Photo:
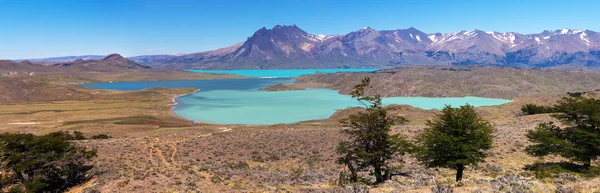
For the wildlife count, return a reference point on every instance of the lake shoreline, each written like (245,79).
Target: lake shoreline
(248,102)
(174,103)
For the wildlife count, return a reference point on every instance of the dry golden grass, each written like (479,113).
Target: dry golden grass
(115,112)
(153,151)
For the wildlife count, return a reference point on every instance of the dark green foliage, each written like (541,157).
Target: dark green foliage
(456,138)
(532,109)
(579,137)
(68,136)
(78,135)
(48,163)
(370,145)
(576,94)
(101,136)
(551,170)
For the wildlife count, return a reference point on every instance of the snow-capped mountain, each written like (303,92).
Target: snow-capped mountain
(287,47)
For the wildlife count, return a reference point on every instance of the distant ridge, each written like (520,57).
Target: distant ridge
(289,47)
(109,62)
(64,58)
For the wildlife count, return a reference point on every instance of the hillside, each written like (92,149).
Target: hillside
(289,47)
(26,81)
(108,63)
(494,82)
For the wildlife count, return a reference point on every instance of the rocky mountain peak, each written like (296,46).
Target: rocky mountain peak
(288,46)
(113,57)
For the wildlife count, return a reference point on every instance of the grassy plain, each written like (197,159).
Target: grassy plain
(155,151)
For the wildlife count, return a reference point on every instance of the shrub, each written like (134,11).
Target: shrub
(577,138)
(78,135)
(68,136)
(101,136)
(48,163)
(370,146)
(456,138)
(442,188)
(511,184)
(532,109)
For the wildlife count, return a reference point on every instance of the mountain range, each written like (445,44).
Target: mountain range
(289,47)
(110,63)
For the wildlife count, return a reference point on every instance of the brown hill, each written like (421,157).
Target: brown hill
(492,82)
(108,63)
(7,66)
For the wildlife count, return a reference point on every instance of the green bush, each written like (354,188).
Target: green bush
(48,163)
(532,109)
(78,135)
(455,138)
(576,138)
(101,136)
(68,136)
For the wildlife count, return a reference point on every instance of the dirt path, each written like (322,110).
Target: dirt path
(173,153)
(160,155)
(150,156)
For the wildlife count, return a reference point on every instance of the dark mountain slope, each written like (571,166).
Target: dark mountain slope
(289,47)
(108,63)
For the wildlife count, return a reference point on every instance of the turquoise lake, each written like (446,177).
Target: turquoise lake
(239,101)
(283,73)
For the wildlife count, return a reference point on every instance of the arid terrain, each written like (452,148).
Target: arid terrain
(153,150)
(453,81)
(301,158)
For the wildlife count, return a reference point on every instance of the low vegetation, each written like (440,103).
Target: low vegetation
(370,144)
(578,136)
(152,151)
(533,109)
(456,138)
(48,163)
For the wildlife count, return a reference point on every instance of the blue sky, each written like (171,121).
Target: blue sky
(34,29)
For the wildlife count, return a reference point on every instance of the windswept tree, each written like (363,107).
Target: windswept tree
(456,138)
(370,146)
(578,138)
(48,163)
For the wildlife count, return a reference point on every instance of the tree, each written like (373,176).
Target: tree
(48,163)
(578,138)
(533,109)
(456,138)
(369,144)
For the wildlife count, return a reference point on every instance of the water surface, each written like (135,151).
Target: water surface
(238,101)
(284,73)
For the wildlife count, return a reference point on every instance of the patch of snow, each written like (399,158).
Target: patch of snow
(321,37)
(177,54)
(433,38)
(546,37)
(411,36)
(583,37)
(240,52)
(471,34)
(418,38)
(569,31)
(489,32)
(511,37)
(537,39)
